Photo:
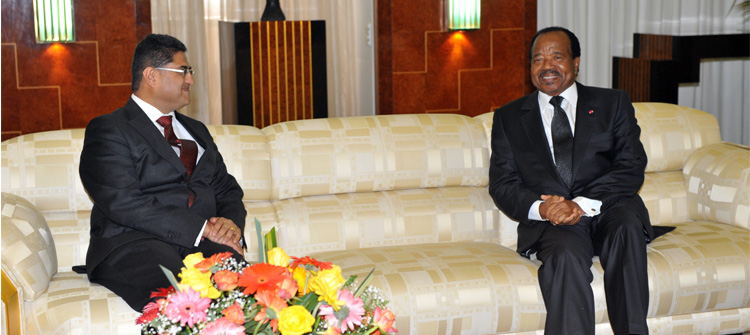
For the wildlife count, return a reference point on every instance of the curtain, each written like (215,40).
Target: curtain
(349,49)
(605,29)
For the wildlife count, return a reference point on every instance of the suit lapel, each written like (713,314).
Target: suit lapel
(534,128)
(585,119)
(141,123)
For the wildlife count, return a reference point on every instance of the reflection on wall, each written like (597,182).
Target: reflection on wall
(56,86)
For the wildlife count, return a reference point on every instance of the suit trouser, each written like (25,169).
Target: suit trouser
(132,271)
(566,252)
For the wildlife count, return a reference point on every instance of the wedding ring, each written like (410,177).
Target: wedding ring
(231,228)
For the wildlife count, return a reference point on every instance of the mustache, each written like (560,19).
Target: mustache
(550,71)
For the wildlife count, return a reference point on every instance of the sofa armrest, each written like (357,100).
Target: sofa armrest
(717,177)
(29,258)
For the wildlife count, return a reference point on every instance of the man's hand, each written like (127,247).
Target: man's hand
(223,231)
(560,211)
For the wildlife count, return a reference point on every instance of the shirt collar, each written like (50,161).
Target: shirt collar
(152,112)
(570,95)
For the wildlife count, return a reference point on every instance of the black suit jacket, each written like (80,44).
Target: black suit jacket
(608,157)
(140,187)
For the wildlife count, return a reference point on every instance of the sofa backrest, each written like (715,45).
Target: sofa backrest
(376,153)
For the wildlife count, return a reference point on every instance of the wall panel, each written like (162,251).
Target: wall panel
(57,86)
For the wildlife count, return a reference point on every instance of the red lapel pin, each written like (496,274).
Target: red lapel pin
(591,111)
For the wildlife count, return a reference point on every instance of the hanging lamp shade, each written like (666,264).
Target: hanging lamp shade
(54,21)
(463,14)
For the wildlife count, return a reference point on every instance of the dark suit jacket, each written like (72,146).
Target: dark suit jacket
(139,186)
(608,157)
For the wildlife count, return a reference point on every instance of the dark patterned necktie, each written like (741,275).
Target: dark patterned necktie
(188,149)
(562,141)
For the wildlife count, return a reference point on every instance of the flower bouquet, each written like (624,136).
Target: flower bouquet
(283,295)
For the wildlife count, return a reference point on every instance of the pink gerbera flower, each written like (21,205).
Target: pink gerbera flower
(223,326)
(348,316)
(187,307)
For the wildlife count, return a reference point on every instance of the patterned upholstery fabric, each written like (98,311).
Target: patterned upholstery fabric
(43,168)
(718,184)
(451,288)
(245,153)
(665,197)
(387,218)
(72,305)
(376,153)
(670,133)
(29,257)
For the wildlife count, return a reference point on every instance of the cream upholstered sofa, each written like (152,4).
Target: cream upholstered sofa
(405,194)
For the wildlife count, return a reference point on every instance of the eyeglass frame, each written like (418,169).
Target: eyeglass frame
(184,71)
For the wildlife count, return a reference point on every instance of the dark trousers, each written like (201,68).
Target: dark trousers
(566,252)
(132,271)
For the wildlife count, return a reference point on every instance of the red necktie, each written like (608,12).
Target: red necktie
(188,149)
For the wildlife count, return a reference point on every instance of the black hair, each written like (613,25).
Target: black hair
(154,50)
(575,46)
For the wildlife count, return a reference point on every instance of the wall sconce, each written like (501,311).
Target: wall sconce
(463,14)
(53,20)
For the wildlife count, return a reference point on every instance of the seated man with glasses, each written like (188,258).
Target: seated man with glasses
(160,188)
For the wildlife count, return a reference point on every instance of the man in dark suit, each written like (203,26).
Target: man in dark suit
(567,163)
(160,188)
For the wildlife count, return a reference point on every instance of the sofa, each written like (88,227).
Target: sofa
(407,196)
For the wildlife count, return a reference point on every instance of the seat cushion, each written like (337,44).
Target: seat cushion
(701,266)
(451,288)
(73,305)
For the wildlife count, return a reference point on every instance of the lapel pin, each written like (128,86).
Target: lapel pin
(591,111)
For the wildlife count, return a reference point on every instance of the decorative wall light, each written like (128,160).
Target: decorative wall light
(463,14)
(53,20)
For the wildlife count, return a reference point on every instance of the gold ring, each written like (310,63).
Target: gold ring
(231,228)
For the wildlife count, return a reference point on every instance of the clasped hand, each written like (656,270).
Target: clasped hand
(560,211)
(223,231)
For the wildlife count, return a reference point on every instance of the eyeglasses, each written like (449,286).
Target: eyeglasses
(184,71)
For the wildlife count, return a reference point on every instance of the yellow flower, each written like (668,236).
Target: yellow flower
(199,282)
(295,320)
(300,275)
(278,257)
(326,284)
(192,259)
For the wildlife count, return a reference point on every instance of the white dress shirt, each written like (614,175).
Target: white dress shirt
(592,207)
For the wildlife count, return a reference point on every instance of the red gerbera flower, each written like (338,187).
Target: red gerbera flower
(150,312)
(162,292)
(206,264)
(261,276)
(312,261)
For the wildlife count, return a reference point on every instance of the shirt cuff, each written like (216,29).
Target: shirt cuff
(590,206)
(200,235)
(534,211)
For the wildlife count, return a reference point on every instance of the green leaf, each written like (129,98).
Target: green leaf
(261,249)
(308,301)
(271,239)
(364,284)
(171,278)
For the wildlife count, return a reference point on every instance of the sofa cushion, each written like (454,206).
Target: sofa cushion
(43,168)
(386,218)
(29,257)
(73,305)
(670,133)
(451,288)
(245,154)
(718,184)
(376,153)
(700,266)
